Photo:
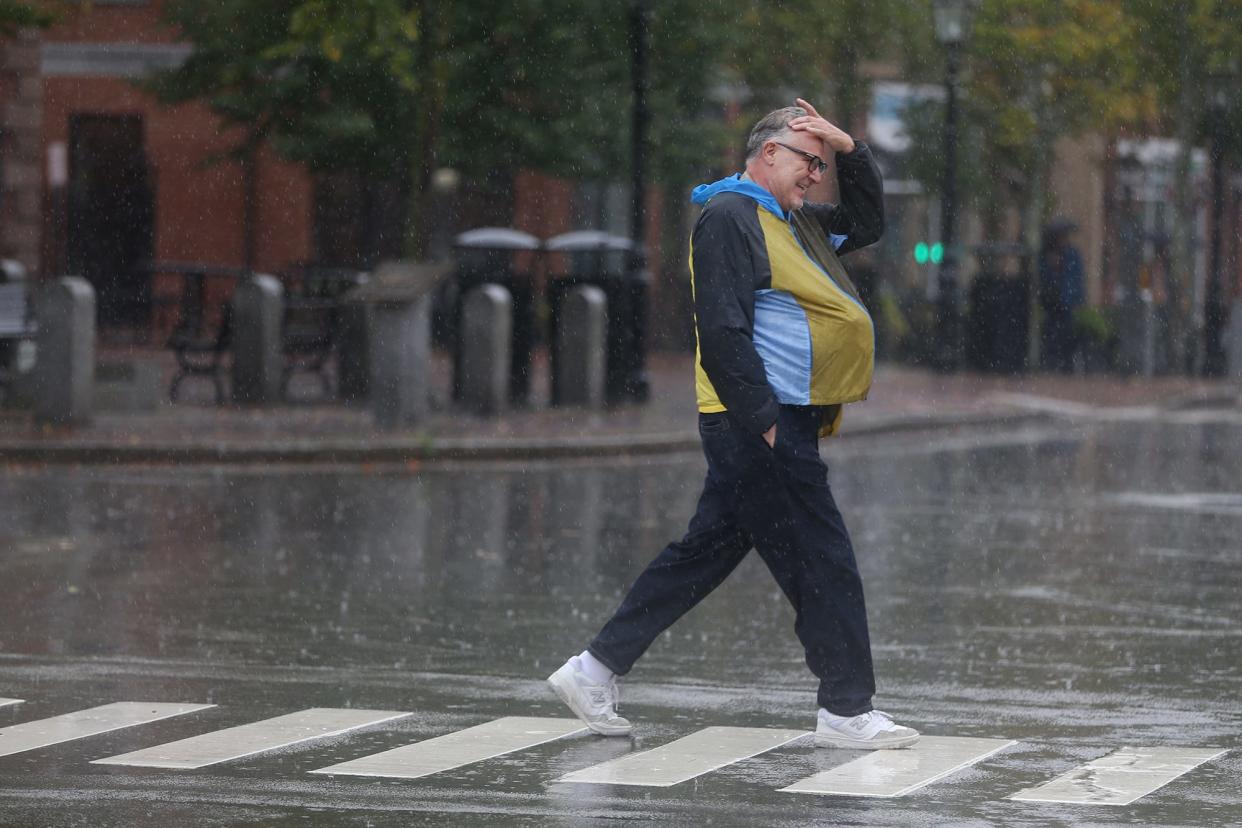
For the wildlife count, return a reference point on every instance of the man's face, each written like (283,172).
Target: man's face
(791,173)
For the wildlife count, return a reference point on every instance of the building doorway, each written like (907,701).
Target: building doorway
(111,216)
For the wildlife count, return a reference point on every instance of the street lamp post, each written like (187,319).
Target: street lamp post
(636,383)
(952,17)
(1214,306)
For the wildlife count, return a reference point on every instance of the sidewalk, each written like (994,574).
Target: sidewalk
(902,398)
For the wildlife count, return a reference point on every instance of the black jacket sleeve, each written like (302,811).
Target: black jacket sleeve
(728,261)
(860,215)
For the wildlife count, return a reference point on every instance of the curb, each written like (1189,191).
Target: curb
(408,451)
(1205,398)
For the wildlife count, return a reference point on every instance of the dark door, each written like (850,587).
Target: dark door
(111,214)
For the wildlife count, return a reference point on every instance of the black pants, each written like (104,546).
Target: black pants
(778,501)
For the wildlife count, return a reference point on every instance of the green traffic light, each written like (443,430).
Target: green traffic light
(937,253)
(921,253)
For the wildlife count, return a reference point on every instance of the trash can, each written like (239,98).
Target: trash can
(999,304)
(593,257)
(487,256)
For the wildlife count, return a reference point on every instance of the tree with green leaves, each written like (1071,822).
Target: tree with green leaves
(16,14)
(1034,72)
(333,85)
(393,88)
(821,49)
(1183,45)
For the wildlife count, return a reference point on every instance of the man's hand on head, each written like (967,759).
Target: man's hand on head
(835,139)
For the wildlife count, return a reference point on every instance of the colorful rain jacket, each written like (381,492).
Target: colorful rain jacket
(777,319)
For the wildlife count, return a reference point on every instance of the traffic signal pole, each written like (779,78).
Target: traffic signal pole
(948,296)
(636,383)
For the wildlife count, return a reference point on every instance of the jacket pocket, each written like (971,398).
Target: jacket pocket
(716,423)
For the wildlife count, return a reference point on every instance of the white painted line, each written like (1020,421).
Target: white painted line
(892,773)
(474,744)
(7,702)
(707,750)
(1121,777)
(83,723)
(1209,503)
(1053,405)
(257,737)
(1069,408)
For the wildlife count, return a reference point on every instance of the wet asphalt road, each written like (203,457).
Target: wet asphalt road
(1075,587)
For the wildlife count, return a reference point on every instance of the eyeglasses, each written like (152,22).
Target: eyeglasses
(813,162)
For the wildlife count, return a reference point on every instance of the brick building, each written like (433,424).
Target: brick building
(124,180)
(97,178)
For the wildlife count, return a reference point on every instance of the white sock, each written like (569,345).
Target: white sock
(594,668)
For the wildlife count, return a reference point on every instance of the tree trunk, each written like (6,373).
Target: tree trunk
(1033,215)
(1180,274)
(1179,278)
(423,146)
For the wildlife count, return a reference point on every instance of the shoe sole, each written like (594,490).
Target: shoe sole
(859,744)
(602,730)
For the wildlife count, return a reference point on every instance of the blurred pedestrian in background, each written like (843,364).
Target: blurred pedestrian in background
(1061,292)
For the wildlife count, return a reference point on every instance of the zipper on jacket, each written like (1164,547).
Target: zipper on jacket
(794,230)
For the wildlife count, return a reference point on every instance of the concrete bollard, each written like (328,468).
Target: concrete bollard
(486,342)
(64,375)
(353,367)
(1149,337)
(581,362)
(400,361)
(258,312)
(1233,341)
(1137,356)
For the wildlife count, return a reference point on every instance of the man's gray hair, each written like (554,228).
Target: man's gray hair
(770,126)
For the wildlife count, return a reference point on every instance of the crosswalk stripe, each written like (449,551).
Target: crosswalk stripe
(7,702)
(256,737)
(694,755)
(474,744)
(892,773)
(90,722)
(1121,777)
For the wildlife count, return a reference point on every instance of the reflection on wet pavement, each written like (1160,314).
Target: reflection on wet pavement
(1074,589)
(1120,777)
(899,772)
(688,757)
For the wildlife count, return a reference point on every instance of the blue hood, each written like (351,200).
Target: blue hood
(736,184)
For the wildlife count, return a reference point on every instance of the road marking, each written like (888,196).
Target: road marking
(1069,408)
(474,744)
(892,773)
(256,737)
(91,722)
(694,755)
(7,702)
(1121,777)
(1210,503)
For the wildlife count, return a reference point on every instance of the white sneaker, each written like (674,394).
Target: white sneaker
(595,704)
(868,731)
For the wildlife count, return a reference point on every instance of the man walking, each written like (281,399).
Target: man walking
(783,343)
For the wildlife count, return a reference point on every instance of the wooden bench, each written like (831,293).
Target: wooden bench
(201,336)
(311,322)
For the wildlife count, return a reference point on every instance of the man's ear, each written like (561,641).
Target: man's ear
(769,152)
